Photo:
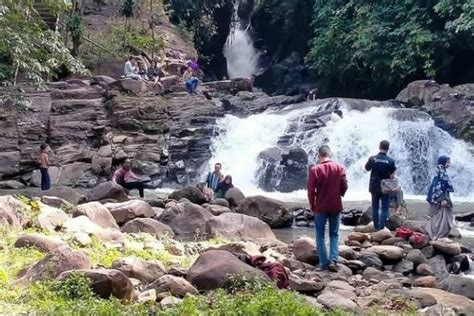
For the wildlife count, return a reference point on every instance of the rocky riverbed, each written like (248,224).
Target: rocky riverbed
(177,249)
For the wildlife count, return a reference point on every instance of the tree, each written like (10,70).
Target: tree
(373,48)
(75,27)
(28,47)
(128,10)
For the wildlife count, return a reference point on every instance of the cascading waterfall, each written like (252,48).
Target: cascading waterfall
(242,57)
(415,144)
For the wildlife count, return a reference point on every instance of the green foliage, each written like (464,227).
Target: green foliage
(27,46)
(196,18)
(75,287)
(264,301)
(380,44)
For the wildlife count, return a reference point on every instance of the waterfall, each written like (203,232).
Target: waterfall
(415,145)
(241,56)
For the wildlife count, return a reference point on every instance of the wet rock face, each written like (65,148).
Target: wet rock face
(283,169)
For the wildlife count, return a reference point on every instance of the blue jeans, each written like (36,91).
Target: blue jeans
(380,219)
(45,180)
(192,84)
(320,220)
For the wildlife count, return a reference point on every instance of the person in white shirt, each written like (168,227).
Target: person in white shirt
(129,70)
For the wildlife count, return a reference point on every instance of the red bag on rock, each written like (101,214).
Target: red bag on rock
(419,240)
(403,232)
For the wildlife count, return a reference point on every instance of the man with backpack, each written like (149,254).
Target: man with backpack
(382,167)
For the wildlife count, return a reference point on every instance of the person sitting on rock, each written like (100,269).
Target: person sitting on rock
(223,187)
(190,80)
(130,69)
(154,73)
(215,177)
(127,179)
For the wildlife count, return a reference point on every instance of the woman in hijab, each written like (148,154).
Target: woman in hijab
(441,207)
(223,187)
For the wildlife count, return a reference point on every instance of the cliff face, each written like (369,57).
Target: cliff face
(92,126)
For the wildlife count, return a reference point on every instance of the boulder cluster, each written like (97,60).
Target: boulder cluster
(375,267)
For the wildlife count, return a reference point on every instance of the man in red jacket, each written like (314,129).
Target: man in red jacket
(327,184)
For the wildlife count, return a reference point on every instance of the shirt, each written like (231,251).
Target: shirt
(122,175)
(327,184)
(381,167)
(128,69)
(213,180)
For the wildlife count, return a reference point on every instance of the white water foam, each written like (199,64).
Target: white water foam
(242,57)
(416,144)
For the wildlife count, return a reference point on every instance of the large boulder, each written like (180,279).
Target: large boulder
(387,252)
(105,282)
(11,185)
(187,220)
(234,196)
(457,284)
(332,300)
(107,190)
(416,256)
(217,268)
(218,209)
(438,265)
(41,242)
(51,218)
(283,169)
(176,286)
(304,249)
(81,224)
(66,193)
(59,260)
(148,225)
(97,213)
(234,226)
(461,304)
(126,211)
(447,247)
(275,213)
(145,271)
(8,216)
(191,193)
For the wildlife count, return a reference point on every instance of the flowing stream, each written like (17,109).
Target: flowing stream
(415,145)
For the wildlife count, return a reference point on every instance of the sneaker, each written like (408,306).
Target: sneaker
(333,267)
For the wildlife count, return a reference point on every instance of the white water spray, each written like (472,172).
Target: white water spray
(415,144)
(242,57)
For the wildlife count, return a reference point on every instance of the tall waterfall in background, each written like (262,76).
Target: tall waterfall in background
(242,57)
(415,144)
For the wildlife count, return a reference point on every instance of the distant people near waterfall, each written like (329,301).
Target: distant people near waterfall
(43,161)
(312,94)
(130,69)
(382,167)
(441,206)
(128,179)
(223,187)
(154,73)
(327,184)
(213,178)
(190,80)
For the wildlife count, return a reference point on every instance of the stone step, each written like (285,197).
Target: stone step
(77,94)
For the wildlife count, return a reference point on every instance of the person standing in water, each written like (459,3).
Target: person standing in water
(441,207)
(382,167)
(215,177)
(327,184)
(43,161)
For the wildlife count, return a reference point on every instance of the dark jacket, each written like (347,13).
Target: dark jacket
(381,167)
(327,184)
(222,189)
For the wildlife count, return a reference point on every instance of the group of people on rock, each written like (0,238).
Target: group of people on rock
(134,69)
(216,185)
(327,184)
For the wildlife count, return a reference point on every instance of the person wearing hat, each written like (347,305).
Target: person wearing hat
(441,207)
